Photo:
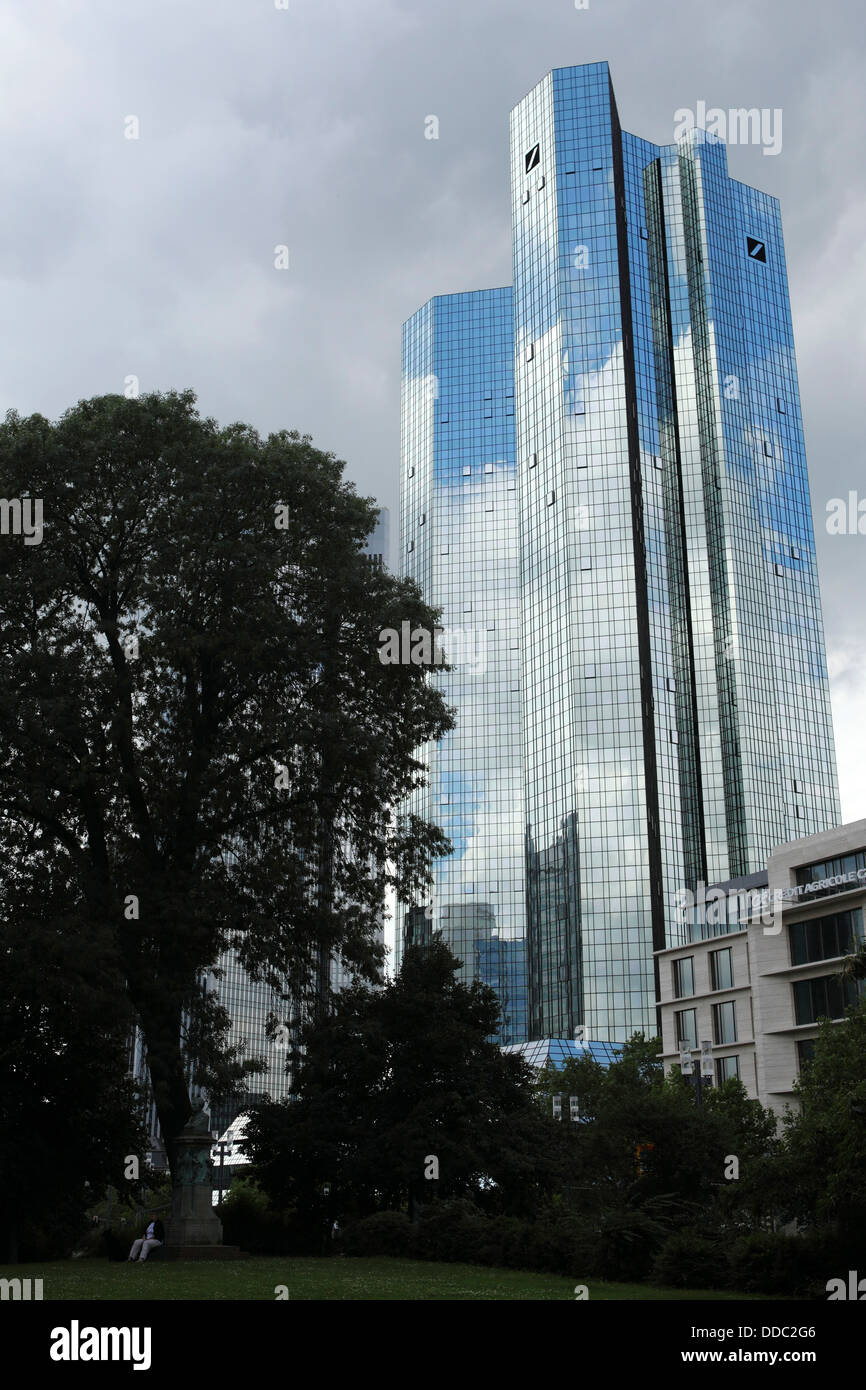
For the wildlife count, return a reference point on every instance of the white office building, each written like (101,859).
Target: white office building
(763,964)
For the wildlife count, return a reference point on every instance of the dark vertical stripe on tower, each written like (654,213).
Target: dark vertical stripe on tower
(688,752)
(647,715)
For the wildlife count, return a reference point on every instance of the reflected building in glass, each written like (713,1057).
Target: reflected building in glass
(672,675)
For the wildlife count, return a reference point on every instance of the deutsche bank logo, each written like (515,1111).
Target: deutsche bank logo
(532,159)
(756,249)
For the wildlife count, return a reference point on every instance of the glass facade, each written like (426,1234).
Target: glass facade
(459,528)
(657,554)
(676,707)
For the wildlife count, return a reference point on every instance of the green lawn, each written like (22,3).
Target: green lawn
(325,1279)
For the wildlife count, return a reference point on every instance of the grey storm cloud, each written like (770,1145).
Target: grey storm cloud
(261,126)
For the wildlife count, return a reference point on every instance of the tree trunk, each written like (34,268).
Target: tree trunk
(161,1030)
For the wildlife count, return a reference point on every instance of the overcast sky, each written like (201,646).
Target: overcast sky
(257,127)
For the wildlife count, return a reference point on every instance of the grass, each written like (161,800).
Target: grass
(323,1280)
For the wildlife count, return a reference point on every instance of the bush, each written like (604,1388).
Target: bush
(383,1233)
(625,1242)
(249,1220)
(691,1259)
(769,1262)
(453,1231)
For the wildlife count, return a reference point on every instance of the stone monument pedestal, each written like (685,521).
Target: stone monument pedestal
(194,1225)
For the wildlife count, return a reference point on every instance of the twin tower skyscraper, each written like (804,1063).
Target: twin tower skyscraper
(604,489)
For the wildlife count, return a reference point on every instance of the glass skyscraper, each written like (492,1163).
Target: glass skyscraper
(460,541)
(673,690)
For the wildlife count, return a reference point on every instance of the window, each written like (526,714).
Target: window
(805,1052)
(832,868)
(686,1027)
(725,1022)
(826,997)
(684,976)
(530,352)
(726,1067)
(824,938)
(467,469)
(722,968)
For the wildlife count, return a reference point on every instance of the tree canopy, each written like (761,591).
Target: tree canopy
(396,1077)
(200,743)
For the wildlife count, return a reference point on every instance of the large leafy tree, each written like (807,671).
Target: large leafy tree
(642,1142)
(823,1173)
(67,1120)
(395,1078)
(199,740)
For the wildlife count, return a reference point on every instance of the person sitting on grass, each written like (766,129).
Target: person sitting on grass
(154,1235)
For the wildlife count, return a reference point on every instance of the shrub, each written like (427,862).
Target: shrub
(383,1233)
(453,1231)
(770,1262)
(249,1220)
(692,1259)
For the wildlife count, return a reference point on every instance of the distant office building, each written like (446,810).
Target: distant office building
(377,546)
(672,683)
(762,964)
